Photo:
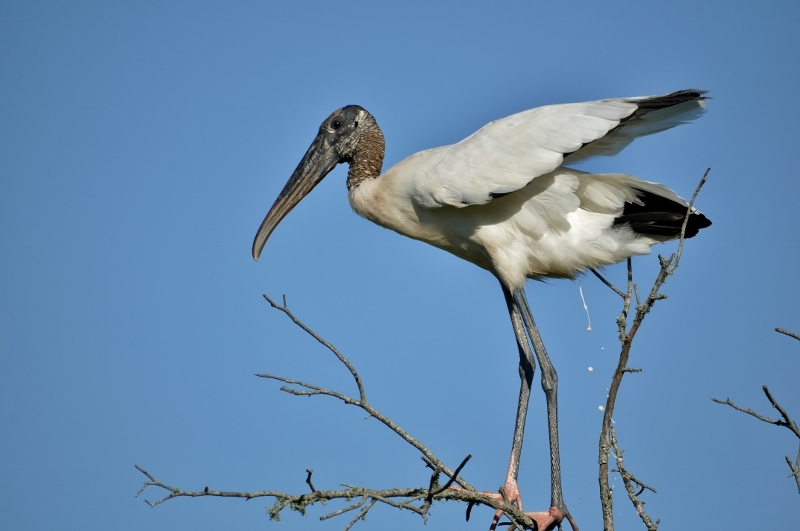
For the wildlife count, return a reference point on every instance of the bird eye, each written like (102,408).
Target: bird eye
(336,124)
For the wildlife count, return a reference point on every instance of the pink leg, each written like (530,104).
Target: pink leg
(545,520)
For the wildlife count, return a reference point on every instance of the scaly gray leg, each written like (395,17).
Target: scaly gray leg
(527,367)
(550,387)
(517,306)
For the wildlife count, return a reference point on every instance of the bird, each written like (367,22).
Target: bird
(506,199)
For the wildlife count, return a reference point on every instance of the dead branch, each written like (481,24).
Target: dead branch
(788,333)
(401,498)
(415,499)
(307,330)
(626,336)
(607,283)
(784,421)
(795,469)
(628,480)
(311,390)
(308,480)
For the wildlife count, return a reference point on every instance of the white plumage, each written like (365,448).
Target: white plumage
(501,200)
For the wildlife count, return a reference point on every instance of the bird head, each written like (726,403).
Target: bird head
(338,140)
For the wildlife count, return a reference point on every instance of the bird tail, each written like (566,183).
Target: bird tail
(661,218)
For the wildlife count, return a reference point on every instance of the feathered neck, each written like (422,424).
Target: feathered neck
(367,159)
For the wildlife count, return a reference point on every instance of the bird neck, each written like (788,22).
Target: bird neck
(367,158)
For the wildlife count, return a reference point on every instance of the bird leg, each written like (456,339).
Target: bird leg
(550,387)
(527,366)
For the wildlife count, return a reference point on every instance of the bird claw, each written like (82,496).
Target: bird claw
(509,493)
(545,520)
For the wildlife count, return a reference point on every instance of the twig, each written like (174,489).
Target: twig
(788,333)
(631,285)
(795,469)
(622,320)
(361,402)
(628,480)
(316,390)
(749,411)
(626,335)
(433,491)
(786,422)
(432,487)
(453,477)
(607,283)
(344,509)
(327,345)
(308,479)
(686,219)
(361,515)
(455,474)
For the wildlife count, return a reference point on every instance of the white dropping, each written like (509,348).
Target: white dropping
(601,408)
(590,369)
(580,290)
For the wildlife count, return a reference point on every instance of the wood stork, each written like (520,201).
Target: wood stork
(503,200)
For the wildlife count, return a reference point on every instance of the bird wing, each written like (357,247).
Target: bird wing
(507,154)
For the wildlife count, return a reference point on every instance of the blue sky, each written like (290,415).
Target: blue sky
(141,144)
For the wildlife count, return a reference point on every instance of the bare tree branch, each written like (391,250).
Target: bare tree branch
(361,514)
(308,480)
(785,421)
(626,336)
(749,411)
(455,489)
(607,283)
(788,333)
(344,509)
(455,474)
(788,422)
(795,469)
(628,480)
(327,345)
(686,219)
(361,402)
(402,498)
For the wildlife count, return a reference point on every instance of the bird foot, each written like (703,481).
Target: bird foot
(545,520)
(509,493)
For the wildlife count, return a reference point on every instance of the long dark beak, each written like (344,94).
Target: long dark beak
(318,161)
